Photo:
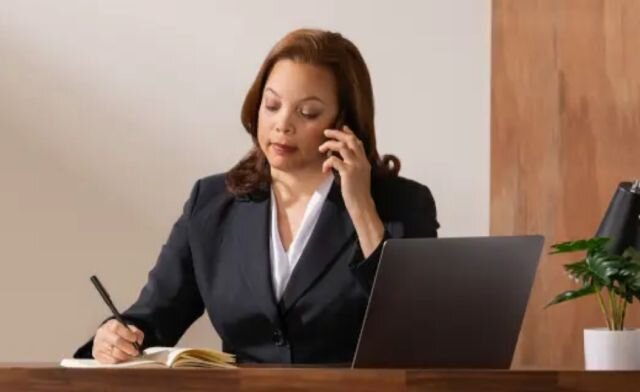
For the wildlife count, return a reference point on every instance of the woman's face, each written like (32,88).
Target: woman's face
(299,102)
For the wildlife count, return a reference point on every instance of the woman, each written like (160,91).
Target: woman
(281,251)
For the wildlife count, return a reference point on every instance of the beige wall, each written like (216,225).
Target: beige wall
(110,110)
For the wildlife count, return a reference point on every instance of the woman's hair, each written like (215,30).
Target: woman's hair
(355,100)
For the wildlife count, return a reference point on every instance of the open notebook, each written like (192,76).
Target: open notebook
(164,357)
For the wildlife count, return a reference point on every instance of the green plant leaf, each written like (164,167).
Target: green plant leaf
(602,267)
(632,283)
(628,275)
(618,274)
(632,255)
(627,270)
(572,294)
(573,246)
(579,271)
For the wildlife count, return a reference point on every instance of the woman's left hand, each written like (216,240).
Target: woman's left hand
(355,183)
(354,167)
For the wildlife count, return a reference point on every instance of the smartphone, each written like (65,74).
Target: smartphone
(339,121)
(338,124)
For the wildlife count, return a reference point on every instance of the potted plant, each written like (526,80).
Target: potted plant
(614,280)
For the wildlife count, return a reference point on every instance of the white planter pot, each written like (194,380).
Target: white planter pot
(611,350)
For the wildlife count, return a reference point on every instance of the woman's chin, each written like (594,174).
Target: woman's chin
(291,165)
(284,164)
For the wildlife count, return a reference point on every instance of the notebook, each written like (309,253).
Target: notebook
(163,357)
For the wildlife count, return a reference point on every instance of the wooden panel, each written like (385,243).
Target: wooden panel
(565,131)
(39,378)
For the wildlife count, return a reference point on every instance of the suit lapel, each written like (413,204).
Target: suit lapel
(332,231)
(251,232)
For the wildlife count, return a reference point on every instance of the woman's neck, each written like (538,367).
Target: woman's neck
(292,187)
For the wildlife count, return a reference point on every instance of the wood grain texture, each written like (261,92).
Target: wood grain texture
(565,131)
(52,378)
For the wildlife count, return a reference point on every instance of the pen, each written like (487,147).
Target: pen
(107,300)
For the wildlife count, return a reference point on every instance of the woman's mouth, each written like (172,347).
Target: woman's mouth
(283,149)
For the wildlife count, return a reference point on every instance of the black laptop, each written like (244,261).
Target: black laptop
(448,303)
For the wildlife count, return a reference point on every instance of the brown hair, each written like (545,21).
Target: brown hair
(355,99)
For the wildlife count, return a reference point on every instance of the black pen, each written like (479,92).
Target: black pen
(107,300)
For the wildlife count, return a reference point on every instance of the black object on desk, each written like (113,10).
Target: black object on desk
(621,222)
(107,300)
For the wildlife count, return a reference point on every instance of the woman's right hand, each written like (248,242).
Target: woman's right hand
(113,342)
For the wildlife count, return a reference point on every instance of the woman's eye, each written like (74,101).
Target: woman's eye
(271,108)
(309,115)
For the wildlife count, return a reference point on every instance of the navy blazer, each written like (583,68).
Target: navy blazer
(217,259)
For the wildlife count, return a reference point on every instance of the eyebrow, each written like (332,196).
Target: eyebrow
(312,97)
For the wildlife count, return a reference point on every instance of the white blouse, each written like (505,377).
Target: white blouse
(283,263)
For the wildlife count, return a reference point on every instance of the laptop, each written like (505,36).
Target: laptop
(448,302)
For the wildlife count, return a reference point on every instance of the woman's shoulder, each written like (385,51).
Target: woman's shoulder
(213,184)
(209,191)
(393,195)
(406,200)
(396,186)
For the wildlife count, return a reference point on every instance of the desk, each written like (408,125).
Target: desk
(49,377)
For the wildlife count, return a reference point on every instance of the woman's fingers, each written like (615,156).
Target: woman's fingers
(139,334)
(121,343)
(101,355)
(130,333)
(335,163)
(114,342)
(120,355)
(348,137)
(123,331)
(341,147)
(350,148)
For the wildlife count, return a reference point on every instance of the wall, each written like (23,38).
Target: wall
(565,131)
(110,110)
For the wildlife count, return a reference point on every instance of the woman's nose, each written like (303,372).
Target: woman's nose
(284,123)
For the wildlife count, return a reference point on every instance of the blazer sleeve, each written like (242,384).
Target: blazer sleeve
(419,221)
(170,301)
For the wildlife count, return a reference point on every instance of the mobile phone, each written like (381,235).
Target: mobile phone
(339,121)
(338,124)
